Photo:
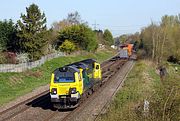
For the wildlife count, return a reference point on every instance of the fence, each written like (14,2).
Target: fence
(29,65)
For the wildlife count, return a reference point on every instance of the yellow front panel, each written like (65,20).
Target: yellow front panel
(63,88)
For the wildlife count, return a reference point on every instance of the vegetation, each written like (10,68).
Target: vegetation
(31,32)
(72,19)
(31,36)
(67,46)
(7,36)
(160,41)
(123,38)
(13,85)
(108,37)
(83,37)
(144,84)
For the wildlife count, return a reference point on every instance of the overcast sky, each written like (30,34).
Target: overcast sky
(119,16)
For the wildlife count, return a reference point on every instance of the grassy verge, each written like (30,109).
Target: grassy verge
(143,83)
(13,85)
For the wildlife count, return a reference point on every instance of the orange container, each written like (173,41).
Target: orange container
(130,46)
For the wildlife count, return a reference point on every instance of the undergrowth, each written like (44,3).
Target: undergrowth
(142,85)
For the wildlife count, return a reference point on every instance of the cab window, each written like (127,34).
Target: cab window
(64,77)
(97,66)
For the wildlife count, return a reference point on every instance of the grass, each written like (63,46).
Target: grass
(143,83)
(13,85)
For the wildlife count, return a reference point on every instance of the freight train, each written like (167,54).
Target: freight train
(126,51)
(72,82)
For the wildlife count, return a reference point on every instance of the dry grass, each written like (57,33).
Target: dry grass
(15,80)
(143,83)
(31,73)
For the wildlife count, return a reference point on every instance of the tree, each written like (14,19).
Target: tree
(117,42)
(8,38)
(83,37)
(57,26)
(161,41)
(67,46)
(32,32)
(108,37)
(74,18)
(123,38)
(99,35)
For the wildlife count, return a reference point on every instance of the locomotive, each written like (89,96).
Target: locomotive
(72,82)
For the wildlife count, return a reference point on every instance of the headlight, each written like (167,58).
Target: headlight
(54,91)
(72,90)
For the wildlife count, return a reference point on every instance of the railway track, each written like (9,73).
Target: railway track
(109,69)
(91,109)
(116,90)
(22,106)
(112,69)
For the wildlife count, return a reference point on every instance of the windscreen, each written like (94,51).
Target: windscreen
(64,77)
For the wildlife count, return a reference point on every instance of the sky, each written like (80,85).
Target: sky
(119,16)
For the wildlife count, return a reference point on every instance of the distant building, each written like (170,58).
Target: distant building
(113,46)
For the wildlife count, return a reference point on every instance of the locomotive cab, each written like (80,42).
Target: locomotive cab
(66,86)
(97,71)
(94,69)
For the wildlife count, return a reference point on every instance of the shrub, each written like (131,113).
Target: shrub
(67,46)
(2,58)
(22,58)
(8,57)
(81,35)
(173,59)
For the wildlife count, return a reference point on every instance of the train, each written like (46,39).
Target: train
(126,51)
(72,82)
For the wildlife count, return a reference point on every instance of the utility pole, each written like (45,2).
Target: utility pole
(95,25)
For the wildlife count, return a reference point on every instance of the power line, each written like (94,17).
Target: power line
(122,26)
(124,29)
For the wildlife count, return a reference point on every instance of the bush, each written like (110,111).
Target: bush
(67,46)
(173,59)
(2,58)
(8,57)
(141,54)
(81,35)
(22,58)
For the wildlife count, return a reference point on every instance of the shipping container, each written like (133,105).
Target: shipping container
(123,53)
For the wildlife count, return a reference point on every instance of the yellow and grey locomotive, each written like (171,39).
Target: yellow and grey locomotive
(69,83)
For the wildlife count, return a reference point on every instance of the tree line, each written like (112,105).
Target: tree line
(30,35)
(160,41)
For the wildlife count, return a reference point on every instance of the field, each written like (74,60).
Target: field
(144,97)
(13,85)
